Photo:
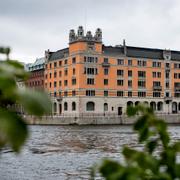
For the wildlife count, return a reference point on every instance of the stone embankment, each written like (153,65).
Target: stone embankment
(94,120)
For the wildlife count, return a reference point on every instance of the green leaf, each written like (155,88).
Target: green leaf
(34,102)
(131,111)
(143,134)
(141,122)
(109,167)
(151,145)
(13,129)
(177,170)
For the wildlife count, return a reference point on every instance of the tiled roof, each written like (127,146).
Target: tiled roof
(37,65)
(59,54)
(137,52)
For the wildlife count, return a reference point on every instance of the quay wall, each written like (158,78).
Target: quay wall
(94,120)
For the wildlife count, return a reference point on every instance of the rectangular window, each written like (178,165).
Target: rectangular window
(167,65)
(142,74)
(154,74)
(141,84)
(141,63)
(175,75)
(159,74)
(156,64)
(55,83)
(175,66)
(156,83)
(74,71)
(141,94)
(50,65)
(177,84)
(106,71)
(65,82)
(55,64)
(90,81)
(65,93)
(167,75)
(60,83)
(167,84)
(120,93)
(50,75)
(120,72)
(153,64)
(50,84)
(120,82)
(156,94)
(60,63)
(105,81)
(55,74)
(105,93)
(73,81)
(90,59)
(129,83)
(65,72)
(73,93)
(60,73)
(90,92)
(120,61)
(65,61)
(106,60)
(129,62)
(73,60)
(85,58)
(90,71)
(129,73)
(129,93)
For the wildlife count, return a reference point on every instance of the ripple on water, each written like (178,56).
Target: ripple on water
(67,152)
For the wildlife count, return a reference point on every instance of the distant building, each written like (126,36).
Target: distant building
(91,78)
(36,79)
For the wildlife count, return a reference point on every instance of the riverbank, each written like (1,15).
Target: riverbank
(95,120)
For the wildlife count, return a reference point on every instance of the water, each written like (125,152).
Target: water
(67,152)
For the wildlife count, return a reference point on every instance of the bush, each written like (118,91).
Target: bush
(13,129)
(149,163)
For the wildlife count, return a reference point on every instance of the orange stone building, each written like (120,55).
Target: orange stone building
(91,78)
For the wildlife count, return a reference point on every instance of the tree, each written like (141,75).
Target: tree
(157,160)
(13,128)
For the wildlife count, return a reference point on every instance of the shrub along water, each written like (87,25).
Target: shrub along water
(13,129)
(157,160)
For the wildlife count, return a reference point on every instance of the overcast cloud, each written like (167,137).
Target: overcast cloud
(32,26)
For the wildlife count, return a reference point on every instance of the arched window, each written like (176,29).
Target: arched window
(129,103)
(65,106)
(174,107)
(137,103)
(90,106)
(55,108)
(160,106)
(153,105)
(105,107)
(73,106)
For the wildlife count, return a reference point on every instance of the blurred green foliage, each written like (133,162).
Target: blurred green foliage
(13,129)
(156,161)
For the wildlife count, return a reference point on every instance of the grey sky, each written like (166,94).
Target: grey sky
(32,26)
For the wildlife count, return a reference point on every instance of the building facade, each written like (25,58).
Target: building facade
(91,78)
(36,78)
